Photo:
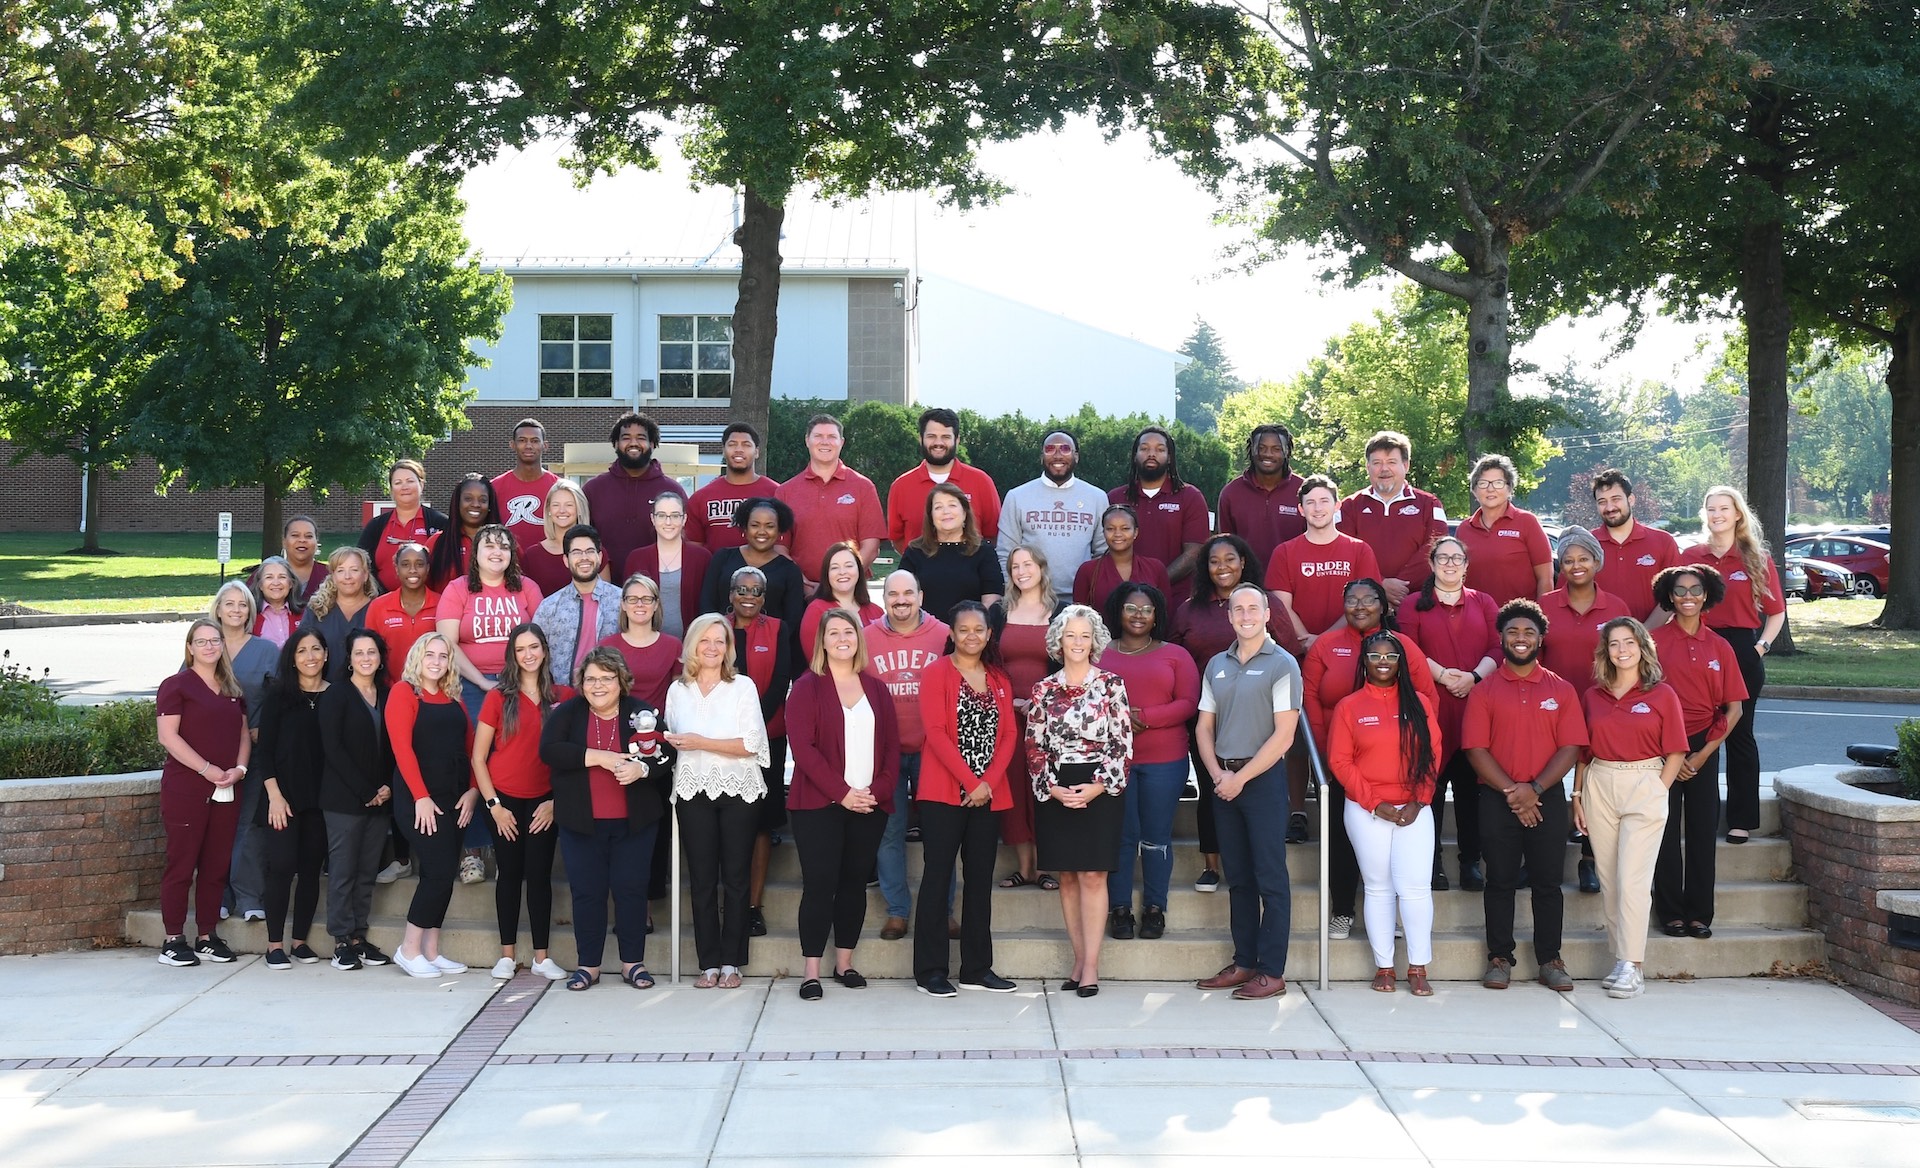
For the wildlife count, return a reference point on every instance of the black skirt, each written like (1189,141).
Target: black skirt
(1078,839)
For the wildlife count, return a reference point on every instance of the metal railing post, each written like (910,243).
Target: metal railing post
(1320,785)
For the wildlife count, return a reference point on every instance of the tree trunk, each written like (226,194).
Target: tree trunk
(1769,324)
(96,478)
(755,312)
(271,505)
(1902,610)
(1489,348)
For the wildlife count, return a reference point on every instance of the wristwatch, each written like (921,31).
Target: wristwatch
(493,802)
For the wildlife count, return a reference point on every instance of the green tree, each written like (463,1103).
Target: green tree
(288,363)
(1443,141)
(845,99)
(1200,386)
(1841,435)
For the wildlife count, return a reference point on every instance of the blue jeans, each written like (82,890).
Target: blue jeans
(1253,850)
(1152,795)
(892,861)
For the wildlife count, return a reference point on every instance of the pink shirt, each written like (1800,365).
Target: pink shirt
(486,619)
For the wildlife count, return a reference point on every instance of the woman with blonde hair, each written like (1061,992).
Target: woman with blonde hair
(202,725)
(1750,618)
(1020,623)
(339,605)
(714,721)
(433,751)
(544,561)
(252,658)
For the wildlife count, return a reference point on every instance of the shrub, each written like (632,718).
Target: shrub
(121,738)
(24,697)
(42,749)
(1910,758)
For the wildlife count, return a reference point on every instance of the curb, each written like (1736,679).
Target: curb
(1840,693)
(61,620)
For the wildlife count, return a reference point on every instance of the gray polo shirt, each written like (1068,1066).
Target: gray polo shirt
(1244,698)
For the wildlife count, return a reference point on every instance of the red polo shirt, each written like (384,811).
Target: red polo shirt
(1399,530)
(1502,556)
(1573,637)
(1316,576)
(1631,565)
(842,506)
(907,501)
(386,616)
(1522,721)
(710,510)
(1641,724)
(1702,669)
(1169,521)
(1738,610)
(1265,519)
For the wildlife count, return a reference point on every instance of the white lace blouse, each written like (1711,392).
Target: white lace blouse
(732,710)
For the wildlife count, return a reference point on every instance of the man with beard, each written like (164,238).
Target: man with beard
(522,491)
(1056,513)
(900,646)
(907,497)
(1262,506)
(831,501)
(621,500)
(1172,514)
(1636,553)
(1522,732)
(1399,522)
(578,618)
(710,510)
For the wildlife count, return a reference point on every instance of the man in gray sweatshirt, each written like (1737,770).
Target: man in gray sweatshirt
(1056,513)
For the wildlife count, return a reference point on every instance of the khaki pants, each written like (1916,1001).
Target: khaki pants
(1626,809)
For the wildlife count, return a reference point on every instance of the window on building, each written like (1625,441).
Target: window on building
(696,357)
(576,355)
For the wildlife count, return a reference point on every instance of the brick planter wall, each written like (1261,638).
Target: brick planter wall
(75,856)
(1849,845)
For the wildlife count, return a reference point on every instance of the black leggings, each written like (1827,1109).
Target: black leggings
(1743,753)
(1203,813)
(1683,876)
(837,850)
(525,859)
(298,850)
(436,861)
(1459,778)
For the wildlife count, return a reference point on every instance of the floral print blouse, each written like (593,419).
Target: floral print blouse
(1079,723)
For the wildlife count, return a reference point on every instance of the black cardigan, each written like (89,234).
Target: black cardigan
(359,760)
(290,750)
(563,747)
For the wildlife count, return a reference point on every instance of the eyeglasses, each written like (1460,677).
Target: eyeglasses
(639,602)
(1057,448)
(205,643)
(1690,590)
(599,680)
(749,590)
(1137,609)
(663,516)
(1451,558)
(583,551)
(1492,485)
(1383,656)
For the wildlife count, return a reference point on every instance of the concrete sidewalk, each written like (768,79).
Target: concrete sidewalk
(109,1059)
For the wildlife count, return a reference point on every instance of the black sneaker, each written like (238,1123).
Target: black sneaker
(178,953)
(1440,882)
(1589,875)
(1297,828)
(1209,881)
(1120,923)
(278,959)
(345,956)
(1473,877)
(370,954)
(212,948)
(989,981)
(756,921)
(1153,923)
(938,987)
(304,954)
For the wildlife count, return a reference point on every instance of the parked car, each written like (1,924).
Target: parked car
(1866,558)
(1793,579)
(1823,578)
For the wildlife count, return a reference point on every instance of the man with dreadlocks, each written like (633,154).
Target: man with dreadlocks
(1262,506)
(1173,514)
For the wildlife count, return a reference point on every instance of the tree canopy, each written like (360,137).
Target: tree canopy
(1200,386)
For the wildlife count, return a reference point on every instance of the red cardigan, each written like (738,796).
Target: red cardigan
(942,770)
(817,737)
(694,559)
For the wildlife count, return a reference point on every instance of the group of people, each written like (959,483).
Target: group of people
(588,670)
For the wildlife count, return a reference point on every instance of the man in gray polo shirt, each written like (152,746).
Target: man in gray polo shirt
(1249,708)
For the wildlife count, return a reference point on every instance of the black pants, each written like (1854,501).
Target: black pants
(1683,876)
(298,850)
(1458,778)
(949,831)
(716,835)
(1209,834)
(525,859)
(1343,867)
(613,859)
(772,806)
(1743,753)
(436,862)
(1504,845)
(837,852)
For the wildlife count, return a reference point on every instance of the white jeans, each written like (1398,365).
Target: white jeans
(1396,867)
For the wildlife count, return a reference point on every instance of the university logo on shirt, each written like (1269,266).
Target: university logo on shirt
(846,500)
(1641,708)
(1410,509)
(1738,576)
(1170,506)
(1370,720)
(1645,561)
(524,509)
(762,649)
(1342,651)
(1550,704)
(1507,533)
(1714,665)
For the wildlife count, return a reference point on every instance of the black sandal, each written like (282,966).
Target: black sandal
(582,979)
(1017,880)
(638,978)
(1049,882)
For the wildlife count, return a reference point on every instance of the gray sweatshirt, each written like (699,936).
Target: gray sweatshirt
(1063,521)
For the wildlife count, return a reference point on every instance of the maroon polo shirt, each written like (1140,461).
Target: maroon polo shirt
(1502,555)
(1522,721)
(1702,669)
(1265,519)
(1632,564)
(1169,521)
(1573,637)
(1638,725)
(1738,611)
(842,506)
(1400,529)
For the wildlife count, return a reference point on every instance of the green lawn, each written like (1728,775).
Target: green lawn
(1835,647)
(155,572)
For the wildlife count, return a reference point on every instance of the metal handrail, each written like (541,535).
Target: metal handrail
(1319,774)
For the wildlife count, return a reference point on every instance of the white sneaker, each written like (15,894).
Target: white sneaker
(473,870)
(504,968)
(547,969)
(1630,984)
(415,966)
(446,964)
(254,914)
(1340,928)
(392,872)
(1612,979)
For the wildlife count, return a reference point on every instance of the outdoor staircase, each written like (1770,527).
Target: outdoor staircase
(1761,924)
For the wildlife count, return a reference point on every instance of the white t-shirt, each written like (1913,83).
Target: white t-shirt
(859,744)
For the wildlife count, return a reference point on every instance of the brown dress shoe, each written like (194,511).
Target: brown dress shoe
(1261,988)
(1228,978)
(894,929)
(953,929)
